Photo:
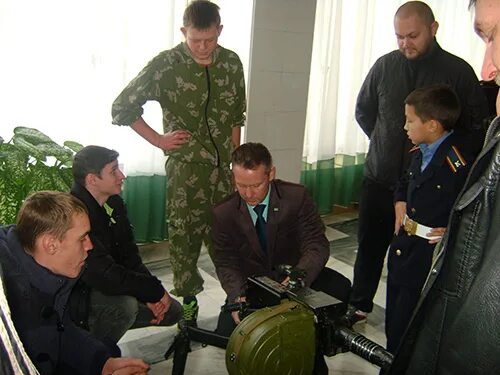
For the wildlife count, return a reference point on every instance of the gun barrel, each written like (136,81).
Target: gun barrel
(362,346)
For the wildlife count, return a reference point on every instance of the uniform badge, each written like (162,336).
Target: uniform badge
(455,159)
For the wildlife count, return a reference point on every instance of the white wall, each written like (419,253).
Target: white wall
(280,60)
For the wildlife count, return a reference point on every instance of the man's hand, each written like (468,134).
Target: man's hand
(399,212)
(436,232)
(132,370)
(173,140)
(166,142)
(160,308)
(156,308)
(236,314)
(166,301)
(125,366)
(158,312)
(286,281)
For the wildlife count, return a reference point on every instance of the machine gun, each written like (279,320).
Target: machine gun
(333,335)
(291,324)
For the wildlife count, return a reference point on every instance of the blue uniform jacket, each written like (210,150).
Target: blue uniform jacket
(429,197)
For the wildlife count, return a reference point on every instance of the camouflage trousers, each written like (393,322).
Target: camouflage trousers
(192,191)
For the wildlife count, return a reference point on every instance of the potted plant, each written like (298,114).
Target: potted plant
(30,162)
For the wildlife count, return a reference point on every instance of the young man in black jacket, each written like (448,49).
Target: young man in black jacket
(41,259)
(116,291)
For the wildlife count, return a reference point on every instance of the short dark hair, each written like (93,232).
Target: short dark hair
(251,155)
(46,212)
(91,159)
(472,3)
(436,102)
(421,9)
(201,14)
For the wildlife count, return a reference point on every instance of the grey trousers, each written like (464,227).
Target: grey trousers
(111,316)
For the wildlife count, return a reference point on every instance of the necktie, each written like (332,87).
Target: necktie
(260,226)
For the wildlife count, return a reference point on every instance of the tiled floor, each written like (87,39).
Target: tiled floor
(152,342)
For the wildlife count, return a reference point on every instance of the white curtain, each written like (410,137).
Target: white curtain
(64,62)
(349,36)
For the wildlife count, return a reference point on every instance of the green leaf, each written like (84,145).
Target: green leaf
(73,146)
(8,151)
(31,135)
(53,149)
(29,148)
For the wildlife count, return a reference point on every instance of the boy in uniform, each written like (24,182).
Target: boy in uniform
(423,200)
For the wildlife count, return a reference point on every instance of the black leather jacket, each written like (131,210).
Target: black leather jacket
(456,327)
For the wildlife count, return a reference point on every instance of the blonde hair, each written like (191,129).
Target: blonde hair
(46,212)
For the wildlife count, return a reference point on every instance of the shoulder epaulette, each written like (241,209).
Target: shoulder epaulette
(414,148)
(455,159)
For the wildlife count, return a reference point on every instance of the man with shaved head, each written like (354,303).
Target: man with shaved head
(455,329)
(418,62)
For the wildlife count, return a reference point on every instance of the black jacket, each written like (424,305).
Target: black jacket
(456,327)
(37,299)
(380,107)
(15,360)
(114,266)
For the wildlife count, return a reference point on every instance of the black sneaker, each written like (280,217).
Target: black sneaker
(354,316)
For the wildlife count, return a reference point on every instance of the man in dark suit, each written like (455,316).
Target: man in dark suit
(268,222)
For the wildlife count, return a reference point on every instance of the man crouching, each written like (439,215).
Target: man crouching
(41,258)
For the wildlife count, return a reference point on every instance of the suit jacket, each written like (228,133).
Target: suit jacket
(295,233)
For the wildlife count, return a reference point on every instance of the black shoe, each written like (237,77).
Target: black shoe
(354,316)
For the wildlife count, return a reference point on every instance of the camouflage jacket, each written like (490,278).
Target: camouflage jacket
(207,101)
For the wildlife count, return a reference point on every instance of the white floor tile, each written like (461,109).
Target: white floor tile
(334,234)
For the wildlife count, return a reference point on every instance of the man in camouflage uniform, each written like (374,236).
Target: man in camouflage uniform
(201,89)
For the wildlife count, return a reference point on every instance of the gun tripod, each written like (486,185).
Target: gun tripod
(181,345)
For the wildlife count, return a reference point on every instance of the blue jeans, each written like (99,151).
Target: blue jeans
(111,316)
